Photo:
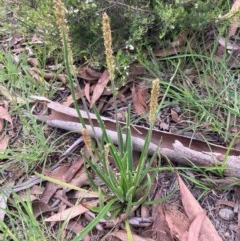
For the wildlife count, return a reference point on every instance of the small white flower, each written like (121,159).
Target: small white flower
(130,47)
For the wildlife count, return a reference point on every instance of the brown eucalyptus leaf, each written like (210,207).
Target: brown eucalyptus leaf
(87,92)
(4,143)
(193,209)
(139,108)
(195,227)
(40,207)
(67,214)
(99,88)
(122,235)
(4,115)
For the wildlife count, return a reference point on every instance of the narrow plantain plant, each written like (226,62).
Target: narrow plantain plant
(125,187)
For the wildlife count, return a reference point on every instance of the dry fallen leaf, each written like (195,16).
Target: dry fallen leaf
(89,74)
(32,71)
(11,97)
(4,143)
(40,207)
(4,115)
(4,195)
(160,226)
(69,100)
(193,209)
(67,214)
(74,227)
(178,222)
(49,191)
(33,61)
(195,227)
(175,116)
(99,88)
(143,97)
(87,92)
(235,25)
(35,40)
(139,108)
(122,235)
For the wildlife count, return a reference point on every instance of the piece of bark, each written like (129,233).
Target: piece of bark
(177,152)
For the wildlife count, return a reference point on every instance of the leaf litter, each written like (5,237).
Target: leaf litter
(188,225)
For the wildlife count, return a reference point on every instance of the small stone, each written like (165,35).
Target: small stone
(226,214)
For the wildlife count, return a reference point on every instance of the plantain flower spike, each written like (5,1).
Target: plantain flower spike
(154,100)
(63,29)
(87,140)
(106,153)
(107,37)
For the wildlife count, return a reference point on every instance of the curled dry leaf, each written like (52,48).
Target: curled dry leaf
(63,173)
(4,116)
(49,191)
(49,76)
(36,40)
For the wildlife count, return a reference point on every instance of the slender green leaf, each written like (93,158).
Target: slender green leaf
(95,221)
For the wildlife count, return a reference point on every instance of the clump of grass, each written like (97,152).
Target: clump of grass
(20,222)
(207,98)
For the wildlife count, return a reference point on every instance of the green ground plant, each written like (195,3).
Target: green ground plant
(125,187)
(30,146)
(21,224)
(201,101)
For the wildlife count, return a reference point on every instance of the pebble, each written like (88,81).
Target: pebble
(226,214)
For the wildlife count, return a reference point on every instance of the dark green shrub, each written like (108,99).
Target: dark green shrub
(135,23)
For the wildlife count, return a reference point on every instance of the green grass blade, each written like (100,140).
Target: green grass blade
(95,221)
